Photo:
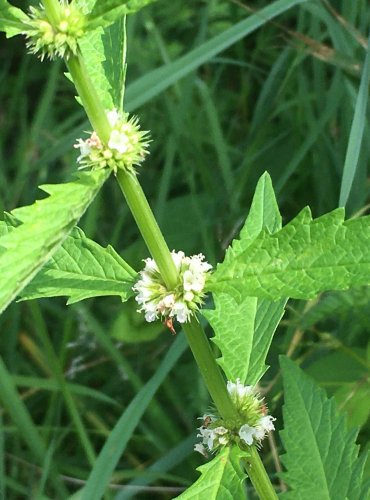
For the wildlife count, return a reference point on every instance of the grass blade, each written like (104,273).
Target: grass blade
(120,435)
(148,86)
(356,134)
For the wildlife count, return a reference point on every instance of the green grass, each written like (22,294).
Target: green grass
(226,97)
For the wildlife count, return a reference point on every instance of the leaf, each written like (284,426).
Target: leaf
(222,478)
(82,269)
(114,66)
(11,19)
(322,457)
(45,225)
(299,261)
(244,329)
(106,12)
(104,54)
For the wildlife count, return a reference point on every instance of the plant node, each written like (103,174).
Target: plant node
(60,40)
(184,300)
(251,428)
(126,148)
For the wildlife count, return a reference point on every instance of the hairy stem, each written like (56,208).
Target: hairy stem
(209,369)
(258,476)
(148,226)
(160,252)
(89,97)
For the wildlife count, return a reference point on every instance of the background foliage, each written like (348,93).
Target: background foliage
(281,99)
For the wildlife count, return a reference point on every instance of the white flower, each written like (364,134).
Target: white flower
(127,145)
(181,302)
(113,117)
(239,390)
(119,141)
(213,438)
(85,149)
(200,449)
(246,433)
(181,311)
(208,436)
(266,423)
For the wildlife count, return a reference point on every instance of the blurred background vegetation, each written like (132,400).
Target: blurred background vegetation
(281,99)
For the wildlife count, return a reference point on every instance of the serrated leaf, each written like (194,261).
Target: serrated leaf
(44,227)
(106,12)
(114,66)
(82,269)
(11,19)
(104,53)
(222,478)
(244,328)
(304,258)
(322,457)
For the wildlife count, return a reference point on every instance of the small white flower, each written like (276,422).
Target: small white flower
(150,313)
(181,311)
(208,436)
(181,302)
(200,449)
(127,145)
(266,423)
(113,117)
(188,296)
(177,258)
(118,141)
(247,433)
(238,389)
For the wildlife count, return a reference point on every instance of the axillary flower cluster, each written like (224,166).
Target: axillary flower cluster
(55,40)
(253,427)
(157,302)
(127,146)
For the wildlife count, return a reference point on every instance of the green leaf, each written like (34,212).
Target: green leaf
(244,329)
(82,269)
(44,227)
(11,19)
(322,457)
(222,478)
(299,261)
(114,66)
(104,53)
(106,12)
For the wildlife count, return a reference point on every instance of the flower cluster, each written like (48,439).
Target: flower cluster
(157,301)
(60,40)
(251,429)
(126,148)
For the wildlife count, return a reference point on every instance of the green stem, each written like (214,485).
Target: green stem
(209,369)
(148,226)
(52,9)
(258,476)
(160,252)
(89,97)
